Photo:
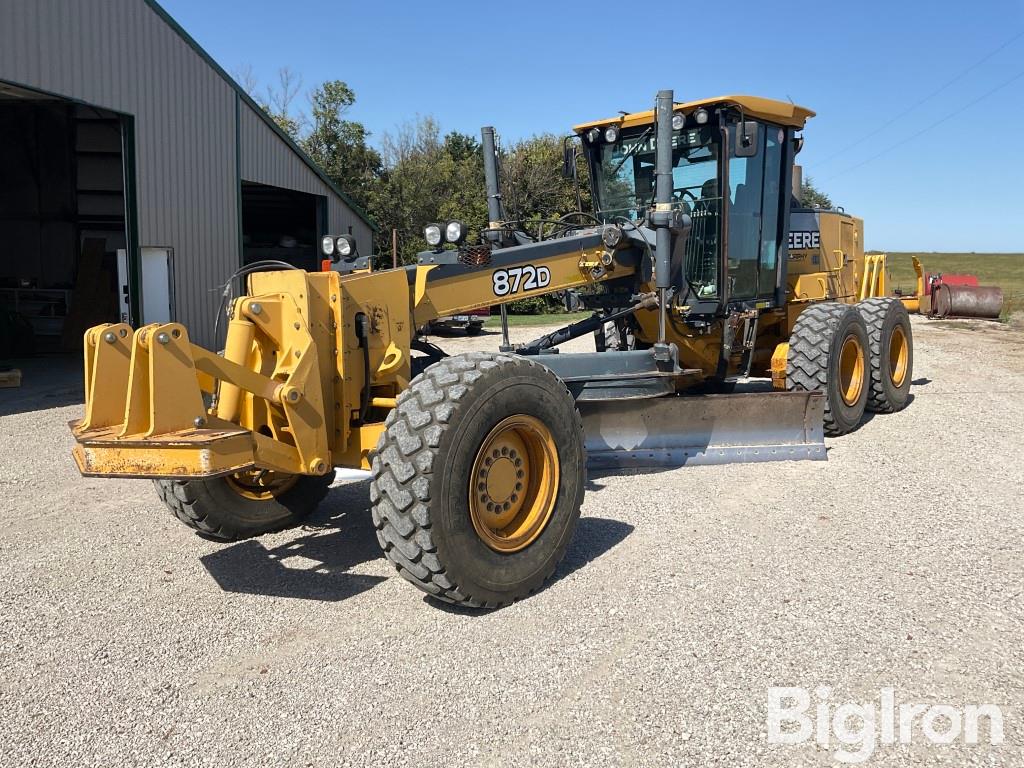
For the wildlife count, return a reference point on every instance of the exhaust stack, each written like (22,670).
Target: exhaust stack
(494,212)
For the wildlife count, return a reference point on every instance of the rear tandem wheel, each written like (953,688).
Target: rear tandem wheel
(892,353)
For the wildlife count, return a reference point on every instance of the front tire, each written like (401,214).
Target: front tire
(243,505)
(828,352)
(478,479)
(892,353)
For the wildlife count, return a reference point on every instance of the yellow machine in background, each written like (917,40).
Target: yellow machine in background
(701,273)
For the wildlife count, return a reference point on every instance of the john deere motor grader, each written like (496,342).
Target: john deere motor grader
(700,272)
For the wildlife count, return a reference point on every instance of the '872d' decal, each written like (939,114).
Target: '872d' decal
(516,279)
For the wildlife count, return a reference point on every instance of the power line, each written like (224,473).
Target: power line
(927,98)
(957,113)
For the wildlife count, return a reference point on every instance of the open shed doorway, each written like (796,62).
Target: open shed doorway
(62,214)
(281,224)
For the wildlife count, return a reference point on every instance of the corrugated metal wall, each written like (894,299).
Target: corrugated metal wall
(121,55)
(263,163)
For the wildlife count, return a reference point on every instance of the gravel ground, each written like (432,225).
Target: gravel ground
(127,640)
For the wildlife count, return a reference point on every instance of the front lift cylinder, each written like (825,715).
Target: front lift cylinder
(237,347)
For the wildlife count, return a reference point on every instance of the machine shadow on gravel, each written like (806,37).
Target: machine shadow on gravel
(594,537)
(339,536)
(336,538)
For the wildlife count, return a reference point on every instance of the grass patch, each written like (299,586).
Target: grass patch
(1003,269)
(525,321)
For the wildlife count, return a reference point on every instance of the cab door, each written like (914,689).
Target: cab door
(756,196)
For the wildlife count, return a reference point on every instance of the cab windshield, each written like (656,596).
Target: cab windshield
(625,173)
(625,189)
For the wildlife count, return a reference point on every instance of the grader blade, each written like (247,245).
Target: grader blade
(704,429)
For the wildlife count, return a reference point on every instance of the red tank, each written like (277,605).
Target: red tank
(941,279)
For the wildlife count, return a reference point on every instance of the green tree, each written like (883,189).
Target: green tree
(426,178)
(811,196)
(533,187)
(340,146)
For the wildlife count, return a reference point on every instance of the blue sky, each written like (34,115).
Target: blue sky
(529,67)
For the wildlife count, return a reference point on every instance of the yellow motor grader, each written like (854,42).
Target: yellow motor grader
(703,275)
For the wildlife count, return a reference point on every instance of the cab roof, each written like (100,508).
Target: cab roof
(780,112)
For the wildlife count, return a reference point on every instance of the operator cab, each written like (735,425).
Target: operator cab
(732,167)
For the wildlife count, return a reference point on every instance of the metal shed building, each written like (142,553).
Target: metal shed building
(138,174)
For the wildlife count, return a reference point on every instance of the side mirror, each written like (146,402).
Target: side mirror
(746,139)
(568,159)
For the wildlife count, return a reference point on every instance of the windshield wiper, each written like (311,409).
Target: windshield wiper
(633,149)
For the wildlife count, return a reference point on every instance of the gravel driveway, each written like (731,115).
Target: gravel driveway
(127,640)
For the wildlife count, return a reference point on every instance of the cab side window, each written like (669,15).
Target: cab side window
(755,198)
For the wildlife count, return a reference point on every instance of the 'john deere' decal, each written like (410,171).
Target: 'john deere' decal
(798,240)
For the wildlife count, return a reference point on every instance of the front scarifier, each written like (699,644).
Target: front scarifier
(478,479)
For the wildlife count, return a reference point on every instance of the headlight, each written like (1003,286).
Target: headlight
(592,135)
(346,246)
(611,134)
(678,120)
(701,116)
(327,246)
(455,232)
(432,234)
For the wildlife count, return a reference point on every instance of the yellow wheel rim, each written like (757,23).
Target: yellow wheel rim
(851,370)
(899,352)
(514,484)
(260,484)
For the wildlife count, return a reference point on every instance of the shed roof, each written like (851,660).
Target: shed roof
(158,9)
